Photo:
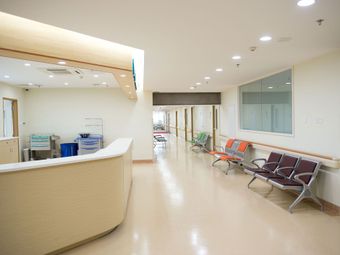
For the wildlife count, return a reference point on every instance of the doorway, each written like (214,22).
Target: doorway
(176,123)
(186,124)
(10,117)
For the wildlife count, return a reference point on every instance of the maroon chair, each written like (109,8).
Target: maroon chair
(269,165)
(301,180)
(285,168)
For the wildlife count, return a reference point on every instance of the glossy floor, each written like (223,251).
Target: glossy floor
(182,205)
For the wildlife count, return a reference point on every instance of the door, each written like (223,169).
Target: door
(10,117)
(213,119)
(177,123)
(186,124)
(192,122)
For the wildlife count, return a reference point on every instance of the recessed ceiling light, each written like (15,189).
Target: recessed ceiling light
(123,75)
(30,84)
(305,3)
(192,87)
(198,83)
(270,87)
(219,69)
(288,83)
(104,83)
(127,86)
(95,75)
(66,83)
(27,64)
(7,76)
(50,76)
(236,57)
(207,78)
(266,38)
(61,62)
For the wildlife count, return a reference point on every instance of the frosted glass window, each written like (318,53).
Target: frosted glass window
(266,104)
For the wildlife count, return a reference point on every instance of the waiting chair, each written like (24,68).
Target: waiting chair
(238,157)
(200,141)
(269,165)
(229,149)
(301,181)
(284,169)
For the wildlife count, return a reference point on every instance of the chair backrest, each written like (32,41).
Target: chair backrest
(288,161)
(229,145)
(307,166)
(274,157)
(241,149)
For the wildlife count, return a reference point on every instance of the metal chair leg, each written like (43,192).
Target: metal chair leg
(254,178)
(215,161)
(297,200)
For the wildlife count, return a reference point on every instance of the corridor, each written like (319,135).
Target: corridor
(181,205)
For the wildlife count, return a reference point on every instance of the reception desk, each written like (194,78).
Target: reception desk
(51,205)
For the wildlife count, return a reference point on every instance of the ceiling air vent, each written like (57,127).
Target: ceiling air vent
(58,71)
(62,71)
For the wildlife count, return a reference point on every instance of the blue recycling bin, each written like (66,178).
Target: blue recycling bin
(68,149)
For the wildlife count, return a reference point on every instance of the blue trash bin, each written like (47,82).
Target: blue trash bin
(68,149)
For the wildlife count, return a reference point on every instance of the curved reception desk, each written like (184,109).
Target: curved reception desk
(51,205)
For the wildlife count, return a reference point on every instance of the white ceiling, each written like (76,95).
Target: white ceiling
(187,40)
(15,72)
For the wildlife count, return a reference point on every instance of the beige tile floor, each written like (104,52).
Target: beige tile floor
(182,205)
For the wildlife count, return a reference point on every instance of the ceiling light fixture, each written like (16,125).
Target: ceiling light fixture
(207,78)
(51,76)
(61,62)
(95,75)
(305,3)
(123,75)
(198,83)
(104,83)
(288,83)
(266,38)
(192,87)
(236,57)
(219,70)
(30,84)
(270,87)
(66,83)
(27,64)
(7,76)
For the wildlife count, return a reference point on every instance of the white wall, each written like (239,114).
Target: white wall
(62,112)
(316,117)
(12,92)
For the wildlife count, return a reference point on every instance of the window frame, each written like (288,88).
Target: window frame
(240,129)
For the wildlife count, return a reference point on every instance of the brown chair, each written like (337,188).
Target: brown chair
(269,165)
(284,169)
(301,181)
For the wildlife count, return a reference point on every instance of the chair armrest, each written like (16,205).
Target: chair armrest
(283,168)
(297,178)
(259,159)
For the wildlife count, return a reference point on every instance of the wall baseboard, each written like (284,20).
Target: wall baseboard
(329,208)
(138,161)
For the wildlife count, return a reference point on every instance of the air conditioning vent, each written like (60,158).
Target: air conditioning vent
(62,71)
(57,71)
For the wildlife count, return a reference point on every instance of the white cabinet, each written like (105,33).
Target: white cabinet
(9,150)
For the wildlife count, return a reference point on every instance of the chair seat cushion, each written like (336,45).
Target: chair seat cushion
(231,158)
(217,153)
(286,182)
(270,175)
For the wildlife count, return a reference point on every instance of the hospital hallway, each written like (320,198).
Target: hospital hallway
(182,205)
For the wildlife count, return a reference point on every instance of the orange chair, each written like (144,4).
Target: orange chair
(229,149)
(238,157)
